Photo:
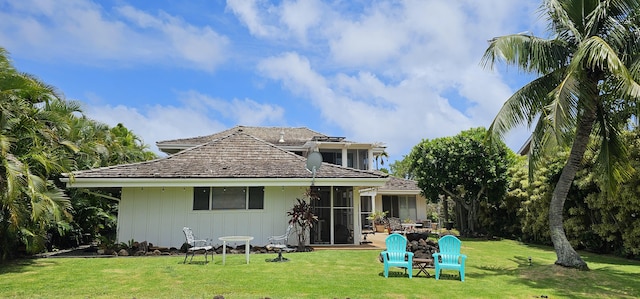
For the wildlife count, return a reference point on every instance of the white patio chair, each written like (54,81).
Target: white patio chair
(195,245)
(279,244)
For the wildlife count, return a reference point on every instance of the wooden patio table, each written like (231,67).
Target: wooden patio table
(422,265)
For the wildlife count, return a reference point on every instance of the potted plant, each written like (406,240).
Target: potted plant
(378,218)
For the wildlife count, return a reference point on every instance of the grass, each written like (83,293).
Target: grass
(495,269)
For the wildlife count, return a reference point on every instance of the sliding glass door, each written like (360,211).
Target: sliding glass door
(334,209)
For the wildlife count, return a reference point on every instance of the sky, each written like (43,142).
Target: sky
(395,72)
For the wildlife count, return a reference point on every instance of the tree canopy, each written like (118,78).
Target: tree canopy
(42,136)
(463,168)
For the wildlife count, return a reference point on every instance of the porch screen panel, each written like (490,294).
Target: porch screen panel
(343,228)
(321,232)
(343,197)
(228,198)
(343,215)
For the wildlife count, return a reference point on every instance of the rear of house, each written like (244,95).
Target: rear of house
(234,183)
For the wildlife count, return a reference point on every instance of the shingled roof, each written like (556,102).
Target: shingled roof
(236,156)
(395,185)
(290,136)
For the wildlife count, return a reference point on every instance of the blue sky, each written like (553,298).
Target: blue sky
(394,72)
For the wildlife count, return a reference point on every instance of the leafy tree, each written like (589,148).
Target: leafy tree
(502,217)
(592,57)
(402,168)
(463,168)
(616,218)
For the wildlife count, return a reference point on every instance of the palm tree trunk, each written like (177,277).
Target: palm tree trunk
(567,256)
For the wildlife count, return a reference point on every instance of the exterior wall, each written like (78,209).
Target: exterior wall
(421,205)
(157,215)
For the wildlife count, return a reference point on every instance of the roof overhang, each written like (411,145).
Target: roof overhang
(376,191)
(398,192)
(178,147)
(337,145)
(221,182)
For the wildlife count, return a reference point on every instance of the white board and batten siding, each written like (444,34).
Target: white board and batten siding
(157,215)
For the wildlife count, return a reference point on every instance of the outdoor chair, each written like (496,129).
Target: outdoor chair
(395,226)
(195,245)
(397,255)
(279,244)
(449,256)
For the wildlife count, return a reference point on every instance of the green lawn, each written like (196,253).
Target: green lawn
(495,269)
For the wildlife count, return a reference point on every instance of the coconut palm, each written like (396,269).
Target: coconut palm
(381,157)
(590,63)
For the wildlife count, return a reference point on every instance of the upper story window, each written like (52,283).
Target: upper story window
(355,158)
(331,156)
(228,198)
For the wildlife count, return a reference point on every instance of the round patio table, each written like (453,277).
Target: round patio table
(226,239)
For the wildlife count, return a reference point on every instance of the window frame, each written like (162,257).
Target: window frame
(253,199)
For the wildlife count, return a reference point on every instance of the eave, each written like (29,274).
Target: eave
(219,182)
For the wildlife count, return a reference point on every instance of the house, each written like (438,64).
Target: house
(242,181)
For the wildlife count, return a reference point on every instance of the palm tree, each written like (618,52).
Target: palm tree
(592,59)
(31,123)
(381,157)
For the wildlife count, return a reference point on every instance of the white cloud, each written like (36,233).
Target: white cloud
(411,70)
(370,40)
(366,108)
(252,16)
(197,115)
(301,15)
(245,112)
(289,20)
(85,32)
(156,123)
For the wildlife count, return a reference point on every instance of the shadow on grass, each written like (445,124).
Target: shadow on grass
(195,263)
(17,266)
(607,282)
(395,274)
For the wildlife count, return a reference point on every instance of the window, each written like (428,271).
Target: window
(332,156)
(228,198)
(366,207)
(256,198)
(201,198)
(400,206)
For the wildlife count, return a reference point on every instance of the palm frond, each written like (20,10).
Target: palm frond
(596,55)
(613,156)
(525,105)
(543,141)
(527,52)
(561,113)
(562,21)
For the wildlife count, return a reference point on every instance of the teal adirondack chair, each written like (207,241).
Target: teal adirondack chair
(449,256)
(397,255)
